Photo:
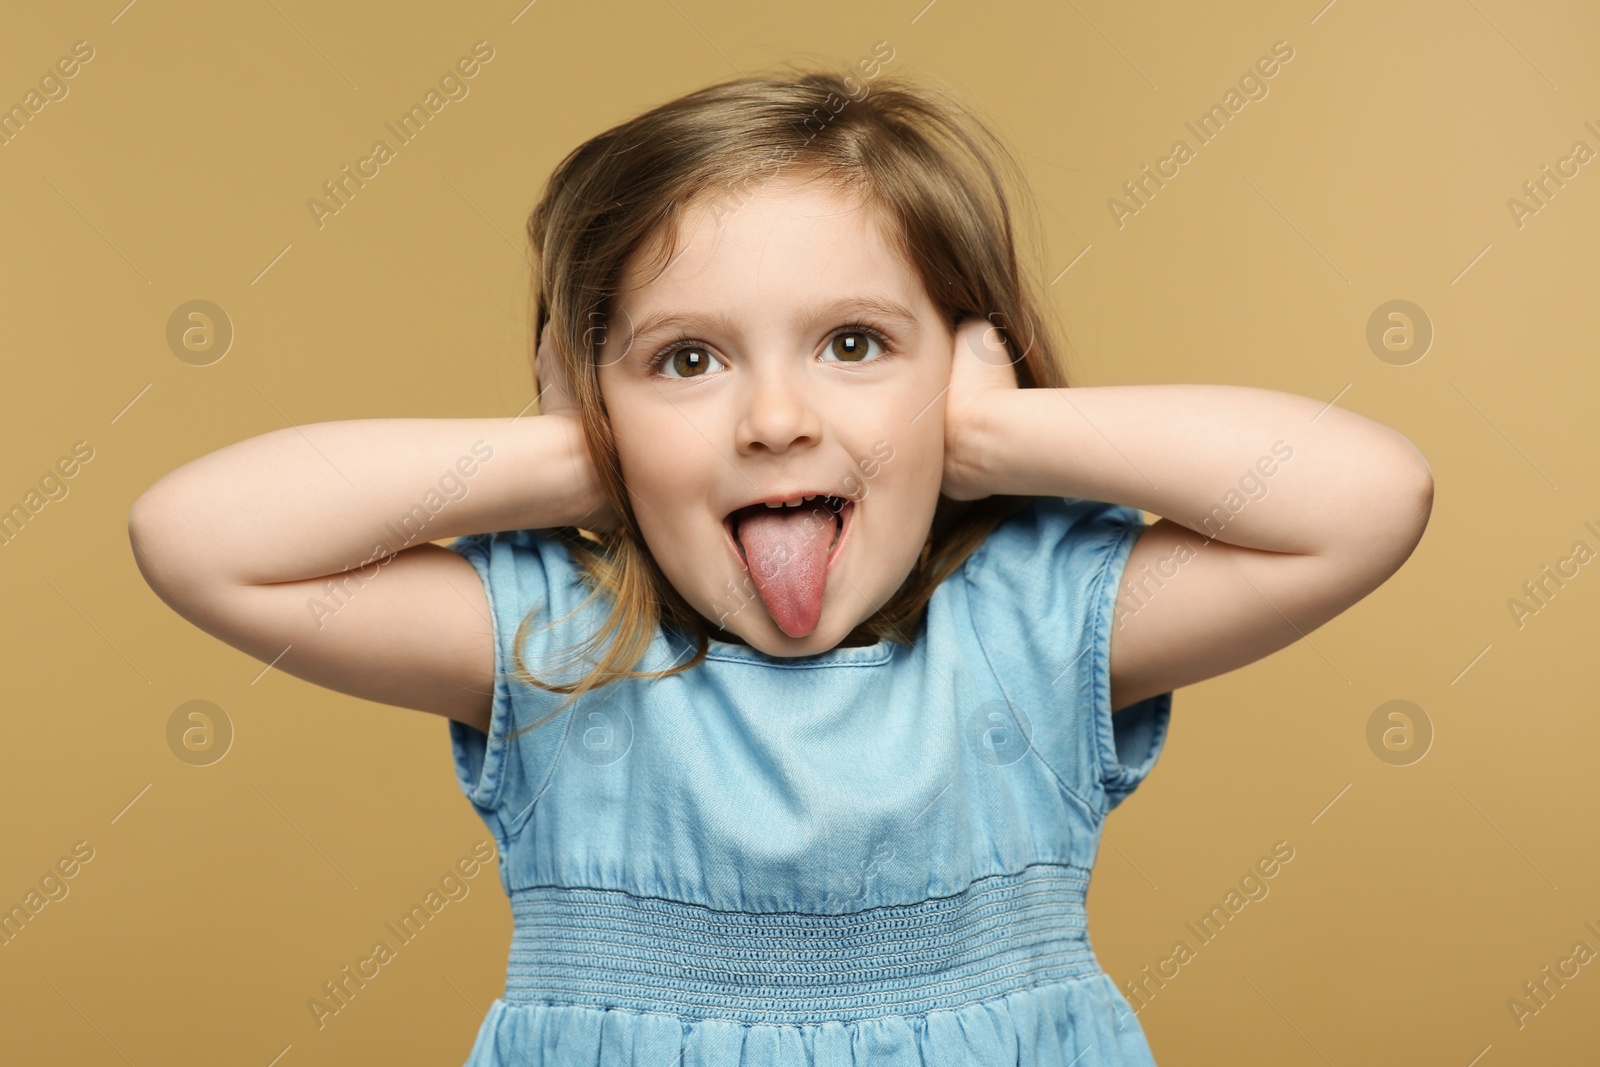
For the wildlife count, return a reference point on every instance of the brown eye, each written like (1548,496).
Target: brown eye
(853,346)
(687,362)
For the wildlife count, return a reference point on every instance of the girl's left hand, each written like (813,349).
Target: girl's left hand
(981,364)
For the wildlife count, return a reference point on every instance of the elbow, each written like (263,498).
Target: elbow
(146,518)
(1402,516)
(143,522)
(1418,493)
(1424,498)
(139,520)
(154,530)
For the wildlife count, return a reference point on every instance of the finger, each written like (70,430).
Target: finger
(986,341)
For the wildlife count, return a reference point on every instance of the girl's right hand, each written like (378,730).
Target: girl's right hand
(555,398)
(329,585)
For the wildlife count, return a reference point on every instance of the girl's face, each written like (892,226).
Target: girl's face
(803,358)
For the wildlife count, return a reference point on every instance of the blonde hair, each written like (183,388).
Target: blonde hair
(913,151)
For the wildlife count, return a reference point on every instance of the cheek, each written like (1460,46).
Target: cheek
(665,463)
(918,451)
(668,469)
(644,446)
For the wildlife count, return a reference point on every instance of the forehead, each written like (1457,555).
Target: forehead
(778,251)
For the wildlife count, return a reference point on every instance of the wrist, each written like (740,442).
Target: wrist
(587,506)
(1015,443)
(971,447)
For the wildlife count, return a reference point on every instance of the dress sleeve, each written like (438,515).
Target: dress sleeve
(503,775)
(1043,593)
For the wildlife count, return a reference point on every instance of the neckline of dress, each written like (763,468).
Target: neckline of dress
(838,656)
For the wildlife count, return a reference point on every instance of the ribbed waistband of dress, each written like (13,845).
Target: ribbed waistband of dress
(605,948)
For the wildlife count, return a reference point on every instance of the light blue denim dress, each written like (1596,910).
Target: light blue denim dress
(874,857)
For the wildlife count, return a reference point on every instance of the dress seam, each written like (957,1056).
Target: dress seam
(1033,987)
(953,895)
(1084,804)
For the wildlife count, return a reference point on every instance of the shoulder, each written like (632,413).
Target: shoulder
(519,554)
(1051,531)
(537,613)
(1044,583)
(1041,591)
(527,571)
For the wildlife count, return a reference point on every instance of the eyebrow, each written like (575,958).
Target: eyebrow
(882,307)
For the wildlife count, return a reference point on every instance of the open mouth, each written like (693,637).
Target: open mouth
(836,510)
(788,546)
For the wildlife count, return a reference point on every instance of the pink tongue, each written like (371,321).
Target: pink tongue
(786,550)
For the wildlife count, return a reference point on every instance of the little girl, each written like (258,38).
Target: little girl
(797,671)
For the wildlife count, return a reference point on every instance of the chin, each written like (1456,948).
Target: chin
(741,615)
(799,632)
(774,642)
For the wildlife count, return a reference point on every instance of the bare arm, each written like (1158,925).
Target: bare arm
(1279,511)
(308,546)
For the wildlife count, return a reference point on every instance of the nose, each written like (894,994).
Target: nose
(779,413)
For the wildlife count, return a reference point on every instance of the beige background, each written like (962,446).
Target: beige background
(220,898)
